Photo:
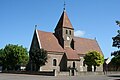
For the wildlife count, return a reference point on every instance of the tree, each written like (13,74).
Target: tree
(14,56)
(116,43)
(38,57)
(118,23)
(116,39)
(2,57)
(116,62)
(93,58)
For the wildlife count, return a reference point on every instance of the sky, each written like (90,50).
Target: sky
(90,19)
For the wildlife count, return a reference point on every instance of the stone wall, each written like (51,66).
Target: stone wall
(100,68)
(67,42)
(70,64)
(49,65)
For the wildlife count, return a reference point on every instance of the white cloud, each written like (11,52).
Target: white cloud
(79,33)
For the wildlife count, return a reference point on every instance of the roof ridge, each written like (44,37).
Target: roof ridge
(44,31)
(84,38)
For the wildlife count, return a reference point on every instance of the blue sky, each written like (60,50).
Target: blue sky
(90,19)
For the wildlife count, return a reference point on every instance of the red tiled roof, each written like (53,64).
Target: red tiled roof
(49,42)
(64,21)
(71,54)
(83,45)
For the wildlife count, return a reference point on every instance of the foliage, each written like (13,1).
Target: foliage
(116,62)
(115,53)
(116,43)
(38,57)
(116,39)
(93,58)
(14,55)
(2,56)
(118,23)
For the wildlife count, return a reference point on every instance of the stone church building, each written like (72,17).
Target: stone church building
(65,51)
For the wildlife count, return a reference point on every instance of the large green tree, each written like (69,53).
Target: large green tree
(93,58)
(13,56)
(116,43)
(2,57)
(38,58)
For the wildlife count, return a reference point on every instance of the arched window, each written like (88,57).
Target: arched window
(66,31)
(70,32)
(73,64)
(54,62)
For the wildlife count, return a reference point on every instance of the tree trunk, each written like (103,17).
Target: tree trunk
(89,68)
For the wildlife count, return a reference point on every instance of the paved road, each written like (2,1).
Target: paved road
(4,76)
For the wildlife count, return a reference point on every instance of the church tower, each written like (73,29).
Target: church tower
(64,31)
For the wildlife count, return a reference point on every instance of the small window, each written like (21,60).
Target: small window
(70,32)
(54,62)
(73,64)
(66,31)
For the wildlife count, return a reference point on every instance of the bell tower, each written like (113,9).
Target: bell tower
(64,31)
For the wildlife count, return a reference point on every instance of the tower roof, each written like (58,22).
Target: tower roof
(64,21)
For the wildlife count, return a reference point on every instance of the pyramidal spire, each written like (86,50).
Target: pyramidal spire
(64,21)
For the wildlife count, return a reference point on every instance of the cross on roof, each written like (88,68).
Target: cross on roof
(64,5)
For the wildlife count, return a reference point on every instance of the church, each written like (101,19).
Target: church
(65,51)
